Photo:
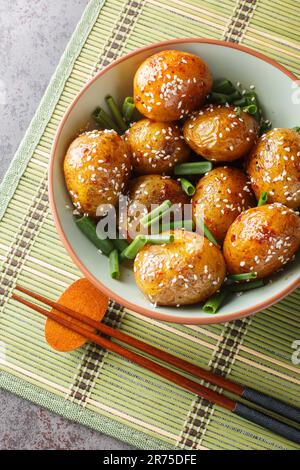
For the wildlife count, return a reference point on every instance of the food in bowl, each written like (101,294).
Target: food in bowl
(262,240)
(184,272)
(156,147)
(221,195)
(96,167)
(201,127)
(170,84)
(274,166)
(145,192)
(220,134)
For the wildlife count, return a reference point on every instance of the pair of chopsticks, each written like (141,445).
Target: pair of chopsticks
(282,409)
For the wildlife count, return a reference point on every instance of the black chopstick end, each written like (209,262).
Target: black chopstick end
(267,422)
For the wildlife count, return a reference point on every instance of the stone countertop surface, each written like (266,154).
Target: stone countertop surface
(33,36)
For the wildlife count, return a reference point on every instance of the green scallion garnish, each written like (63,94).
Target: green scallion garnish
(263,199)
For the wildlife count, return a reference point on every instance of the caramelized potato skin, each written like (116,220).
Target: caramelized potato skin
(156,147)
(274,167)
(97,167)
(220,197)
(145,191)
(155,189)
(218,134)
(170,84)
(184,272)
(262,240)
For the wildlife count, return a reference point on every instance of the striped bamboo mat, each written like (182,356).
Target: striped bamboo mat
(90,385)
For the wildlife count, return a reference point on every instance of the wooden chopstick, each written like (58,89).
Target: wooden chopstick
(212,396)
(136,343)
(178,379)
(259,398)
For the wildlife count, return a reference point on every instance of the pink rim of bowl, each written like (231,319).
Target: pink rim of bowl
(219,318)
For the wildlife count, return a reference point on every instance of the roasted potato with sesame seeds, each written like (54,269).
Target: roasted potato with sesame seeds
(221,195)
(144,192)
(170,84)
(274,167)
(96,168)
(218,134)
(155,189)
(184,272)
(156,147)
(262,240)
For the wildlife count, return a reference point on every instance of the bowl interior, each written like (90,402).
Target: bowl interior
(275,90)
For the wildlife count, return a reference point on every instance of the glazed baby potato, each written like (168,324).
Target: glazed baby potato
(221,195)
(262,240)
(96,167)
(218,134)
(170,84)
(274,167)
(145,191)
(187,271)
(155,189)
(156,147)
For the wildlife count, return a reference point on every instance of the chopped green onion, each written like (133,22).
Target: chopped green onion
(156,214)
(128,108)
(263,199)
(89,229)
(251,97)
(120,243)
(234,96)
(177,224)
(114,266)
(246,286)
(265,127)
(218,98)
(195,168)
(159,239)
(213,304)
(224,86)
(224,92)
(238,111)
(132,250)
(296,129)
(250,109)
(207,233)
(241,102)
(253,100)
(209,236)
(116,112)
(242,277)
(187,187)
(249,104)
(104,120)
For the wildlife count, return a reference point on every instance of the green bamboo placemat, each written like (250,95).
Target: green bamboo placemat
(90,385)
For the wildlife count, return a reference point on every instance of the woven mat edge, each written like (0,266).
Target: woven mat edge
(76,413)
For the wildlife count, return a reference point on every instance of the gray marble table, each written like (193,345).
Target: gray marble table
(33,36)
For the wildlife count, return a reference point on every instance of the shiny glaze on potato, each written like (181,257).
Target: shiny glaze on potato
(96,167)
(170,84)
(218,134)
(262,240)
(187,271)
(274,167)
(145,191)
(156,147)
(221,195)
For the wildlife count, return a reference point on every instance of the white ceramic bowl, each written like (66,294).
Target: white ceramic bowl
(279,96)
